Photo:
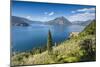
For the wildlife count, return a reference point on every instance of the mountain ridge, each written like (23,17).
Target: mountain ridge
(59,21)
(84,23)
(20,21)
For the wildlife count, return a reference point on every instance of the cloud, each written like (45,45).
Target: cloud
(49,13)
(73,11)
(84,10)
(29,17)
(82,16)
(44,18)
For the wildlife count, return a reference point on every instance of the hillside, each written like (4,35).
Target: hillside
(19,21)
(76,49)
(59,21)
(90,29)
(83,23)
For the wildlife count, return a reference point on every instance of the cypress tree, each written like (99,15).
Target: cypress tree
(49,43)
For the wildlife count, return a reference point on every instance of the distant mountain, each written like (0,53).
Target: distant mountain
(19,21)
(84,23)
(59,21)
(35,22)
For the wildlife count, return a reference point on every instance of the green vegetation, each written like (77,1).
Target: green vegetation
(76,49)
(49,43)
(90,29)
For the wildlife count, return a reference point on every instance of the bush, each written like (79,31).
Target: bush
(89,49)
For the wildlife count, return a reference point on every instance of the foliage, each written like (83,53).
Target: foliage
(76,49)
(89,49)
(49,43)
(90,29)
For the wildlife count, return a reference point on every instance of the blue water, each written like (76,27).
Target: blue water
(34,36)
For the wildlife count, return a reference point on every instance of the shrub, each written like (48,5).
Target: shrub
(89,49)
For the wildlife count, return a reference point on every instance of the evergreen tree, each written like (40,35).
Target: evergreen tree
(49,43)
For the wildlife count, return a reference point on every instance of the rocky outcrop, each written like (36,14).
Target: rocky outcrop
(74,34)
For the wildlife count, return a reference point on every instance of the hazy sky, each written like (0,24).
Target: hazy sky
(46,11)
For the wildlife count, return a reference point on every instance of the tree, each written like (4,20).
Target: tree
(49,43)
(87,45)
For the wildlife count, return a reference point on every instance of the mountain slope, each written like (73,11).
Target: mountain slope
(59,21)
(84,23)
(90,29)
(19,21)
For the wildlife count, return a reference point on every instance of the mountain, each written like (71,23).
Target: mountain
(35,22)
(84,23)
(59,21)
(19,21)
(90,29)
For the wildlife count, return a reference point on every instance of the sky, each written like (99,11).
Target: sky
(37,11)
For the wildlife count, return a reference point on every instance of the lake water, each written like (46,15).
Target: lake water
(34,36)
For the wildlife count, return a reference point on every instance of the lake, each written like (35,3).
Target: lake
(34,36)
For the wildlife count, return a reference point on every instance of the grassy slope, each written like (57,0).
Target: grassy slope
(68,51)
